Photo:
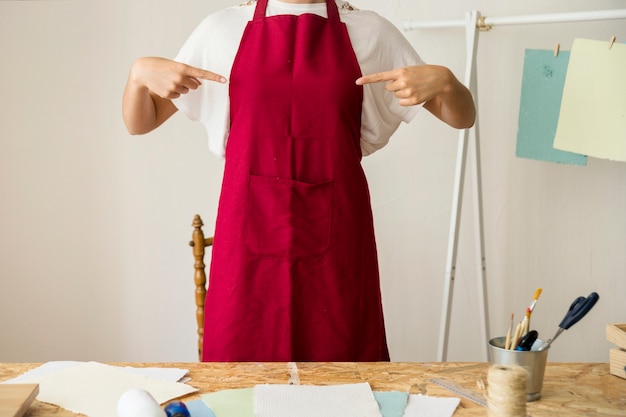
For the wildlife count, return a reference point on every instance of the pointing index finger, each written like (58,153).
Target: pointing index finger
(206,75)
(376,78)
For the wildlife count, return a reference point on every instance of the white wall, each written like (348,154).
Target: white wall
(94,223)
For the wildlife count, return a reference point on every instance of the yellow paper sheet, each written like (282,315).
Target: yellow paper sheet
(592,120)
(93,389)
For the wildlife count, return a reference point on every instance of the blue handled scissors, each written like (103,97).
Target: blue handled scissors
(579,308)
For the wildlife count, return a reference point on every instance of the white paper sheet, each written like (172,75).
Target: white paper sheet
(47,368)
(347,400)
(165,374)
(427,406)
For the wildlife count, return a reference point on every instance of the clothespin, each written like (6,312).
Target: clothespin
(612,41)
(482,26)
(556,49)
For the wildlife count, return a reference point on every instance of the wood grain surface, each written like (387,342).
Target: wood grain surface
(569,389)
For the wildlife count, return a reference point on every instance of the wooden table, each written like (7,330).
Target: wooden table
(569,389)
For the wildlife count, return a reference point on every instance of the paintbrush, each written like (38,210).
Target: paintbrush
(535,298)
(530,309)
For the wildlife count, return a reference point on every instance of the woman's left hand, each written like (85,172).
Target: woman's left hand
(432,85)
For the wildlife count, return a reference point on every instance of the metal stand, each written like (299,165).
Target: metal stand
(471,33)
(472,23)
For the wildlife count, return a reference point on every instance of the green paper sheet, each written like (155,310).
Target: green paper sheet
(542,87)
(592,120)
(231,403)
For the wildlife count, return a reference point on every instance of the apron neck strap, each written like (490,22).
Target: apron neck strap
(331,10)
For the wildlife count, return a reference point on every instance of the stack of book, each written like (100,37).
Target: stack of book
(616,334)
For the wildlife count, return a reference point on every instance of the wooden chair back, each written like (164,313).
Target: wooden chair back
(199,243)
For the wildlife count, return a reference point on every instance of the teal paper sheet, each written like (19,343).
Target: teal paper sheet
(542,89)
(391,403)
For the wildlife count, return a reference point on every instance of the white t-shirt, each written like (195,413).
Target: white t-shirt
(377,43)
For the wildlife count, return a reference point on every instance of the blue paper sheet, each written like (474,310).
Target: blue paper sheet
(197,408)
(542,89)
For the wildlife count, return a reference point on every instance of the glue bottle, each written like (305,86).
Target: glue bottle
(137,402)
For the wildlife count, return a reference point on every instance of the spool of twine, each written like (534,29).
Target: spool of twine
(506,391)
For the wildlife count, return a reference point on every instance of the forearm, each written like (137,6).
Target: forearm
(454,105)
(152,84)
(138,109)
(143,111)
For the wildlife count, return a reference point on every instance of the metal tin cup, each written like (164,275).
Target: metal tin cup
(534,361)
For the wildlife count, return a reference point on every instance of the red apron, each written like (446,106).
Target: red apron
(294,271)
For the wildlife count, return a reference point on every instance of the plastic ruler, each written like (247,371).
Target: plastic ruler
(460,390)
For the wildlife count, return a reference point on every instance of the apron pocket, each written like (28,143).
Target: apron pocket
(288,219)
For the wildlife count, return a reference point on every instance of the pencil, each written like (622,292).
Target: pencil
(516,336)
(526,322)
(507,343)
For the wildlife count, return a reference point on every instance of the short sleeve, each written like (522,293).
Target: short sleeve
(212,46)
(382,114)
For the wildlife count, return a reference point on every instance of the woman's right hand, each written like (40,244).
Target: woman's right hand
(152,84)
(169,79)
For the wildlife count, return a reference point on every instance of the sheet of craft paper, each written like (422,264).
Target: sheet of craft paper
(166,374)
(198,408)
(592,120)
(540,104)
(427,406)
(94,389)
(346,400)
(230,403)
(47,368)
(391,403)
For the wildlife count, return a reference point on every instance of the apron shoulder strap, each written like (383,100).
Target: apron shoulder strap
(332,10)
(259,11)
